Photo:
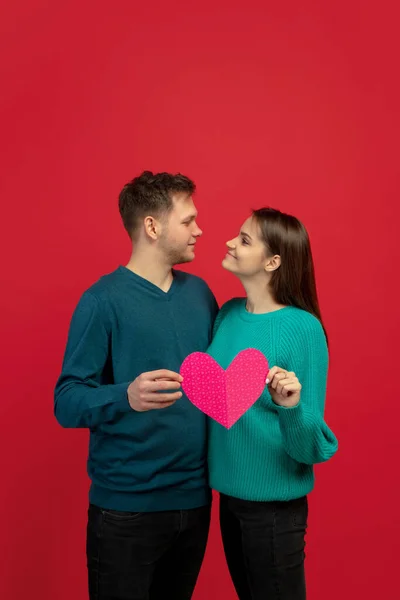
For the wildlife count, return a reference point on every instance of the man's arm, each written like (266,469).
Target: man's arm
(82,398)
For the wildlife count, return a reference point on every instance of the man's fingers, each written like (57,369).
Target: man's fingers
(161,405)
(163,374)
(158,386)
(146,407)
(161,398)
(159,401)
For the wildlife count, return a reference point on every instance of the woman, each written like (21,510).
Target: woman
(263,465)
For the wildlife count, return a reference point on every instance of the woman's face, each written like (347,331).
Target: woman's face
(246,254)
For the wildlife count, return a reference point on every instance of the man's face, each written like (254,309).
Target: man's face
(180,231)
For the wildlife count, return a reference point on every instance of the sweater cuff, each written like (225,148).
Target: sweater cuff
(292,416)
(121,397)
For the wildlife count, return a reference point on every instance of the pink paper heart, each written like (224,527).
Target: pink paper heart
(224,395)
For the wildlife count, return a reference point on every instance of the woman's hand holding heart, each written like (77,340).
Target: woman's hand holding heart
(284,387)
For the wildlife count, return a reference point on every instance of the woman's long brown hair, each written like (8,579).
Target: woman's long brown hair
(293,283)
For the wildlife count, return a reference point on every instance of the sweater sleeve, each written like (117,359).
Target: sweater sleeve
(217,322)
(214,308)
(82,396)
(306,436)
(223,311)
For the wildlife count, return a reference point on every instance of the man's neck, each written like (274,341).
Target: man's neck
(151,268)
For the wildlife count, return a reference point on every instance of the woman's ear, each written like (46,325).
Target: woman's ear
(273,263)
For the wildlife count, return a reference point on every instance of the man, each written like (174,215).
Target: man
(149,508)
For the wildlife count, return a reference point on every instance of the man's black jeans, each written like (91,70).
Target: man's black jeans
(145,556)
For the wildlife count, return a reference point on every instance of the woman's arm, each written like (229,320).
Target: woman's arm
(306,436)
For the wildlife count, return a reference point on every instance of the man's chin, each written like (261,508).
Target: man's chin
(185,259)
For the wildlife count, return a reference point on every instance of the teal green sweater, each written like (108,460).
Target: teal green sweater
(270,452)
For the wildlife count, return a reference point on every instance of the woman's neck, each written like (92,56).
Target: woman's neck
(259,298)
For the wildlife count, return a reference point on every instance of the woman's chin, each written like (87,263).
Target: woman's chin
(226,264)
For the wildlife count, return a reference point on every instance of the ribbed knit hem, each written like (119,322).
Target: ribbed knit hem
(152,501)
(298,490)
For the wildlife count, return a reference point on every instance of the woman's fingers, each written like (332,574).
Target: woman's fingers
(276,370)
(288,386)
(284,380)
(271,374)
(276,378)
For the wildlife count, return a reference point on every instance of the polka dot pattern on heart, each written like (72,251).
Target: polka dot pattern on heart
(224,395)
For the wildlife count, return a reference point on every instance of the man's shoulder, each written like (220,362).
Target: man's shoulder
(192,280)
(103,286)
(232,305)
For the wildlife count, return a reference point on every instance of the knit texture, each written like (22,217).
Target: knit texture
(124,326)
(270,452)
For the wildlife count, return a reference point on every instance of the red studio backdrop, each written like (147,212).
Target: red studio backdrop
(289,104)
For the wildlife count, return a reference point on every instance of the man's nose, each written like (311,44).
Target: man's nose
(198,232)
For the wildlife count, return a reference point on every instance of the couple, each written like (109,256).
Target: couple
(153,456)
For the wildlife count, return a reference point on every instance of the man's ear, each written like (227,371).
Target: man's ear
(152,227)
(273,263)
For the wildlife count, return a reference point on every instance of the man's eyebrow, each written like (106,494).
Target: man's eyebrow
(190,217)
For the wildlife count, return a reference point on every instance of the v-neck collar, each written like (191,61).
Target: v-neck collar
(152,286)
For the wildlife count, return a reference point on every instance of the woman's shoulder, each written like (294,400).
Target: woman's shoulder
(301,320)
(301,331)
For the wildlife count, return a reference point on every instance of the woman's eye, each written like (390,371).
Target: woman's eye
(245,242)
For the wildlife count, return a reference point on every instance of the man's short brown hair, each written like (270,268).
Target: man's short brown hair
(150,194)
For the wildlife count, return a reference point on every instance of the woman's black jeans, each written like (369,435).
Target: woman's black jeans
(264,547)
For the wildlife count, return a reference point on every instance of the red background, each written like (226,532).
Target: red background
(291,104)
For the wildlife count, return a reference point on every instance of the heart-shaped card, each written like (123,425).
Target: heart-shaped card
(224,395)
